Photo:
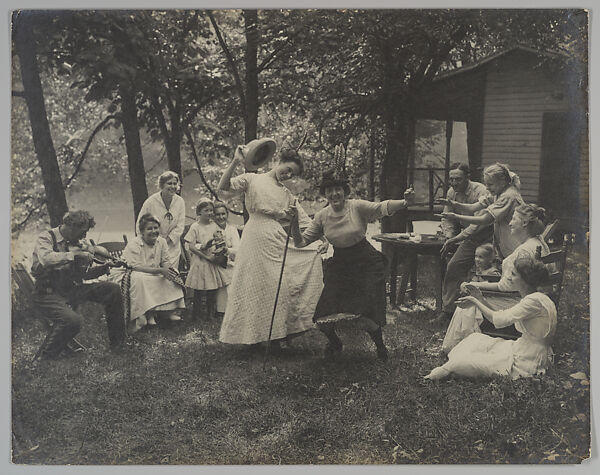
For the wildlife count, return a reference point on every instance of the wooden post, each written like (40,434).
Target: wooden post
(431,197)
(449,125)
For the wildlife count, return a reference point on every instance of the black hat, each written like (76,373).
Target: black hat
(331,178)
(336,176)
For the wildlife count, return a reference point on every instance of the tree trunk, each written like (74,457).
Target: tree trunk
(173,148)
(40,129)
(173,141)
(372,146)
(398,134)
(251,82)
(135,160)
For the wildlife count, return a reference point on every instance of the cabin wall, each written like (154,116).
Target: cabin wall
(517,95)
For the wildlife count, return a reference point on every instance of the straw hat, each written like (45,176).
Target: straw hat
(258,152)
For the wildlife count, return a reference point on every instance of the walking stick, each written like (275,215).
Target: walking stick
(287,243)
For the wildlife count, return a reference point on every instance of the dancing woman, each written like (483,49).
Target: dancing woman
(355,275)
(251,294)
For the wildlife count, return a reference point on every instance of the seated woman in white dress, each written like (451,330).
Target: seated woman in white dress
(150,284)
(480,355)
(526,226)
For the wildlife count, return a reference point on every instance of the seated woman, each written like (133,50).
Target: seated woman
(355,275)
(534,316)
(526,226)
(151,288)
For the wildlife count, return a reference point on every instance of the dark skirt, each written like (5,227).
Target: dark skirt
(354,283)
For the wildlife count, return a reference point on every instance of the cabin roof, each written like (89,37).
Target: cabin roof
(488,59)
(459,94)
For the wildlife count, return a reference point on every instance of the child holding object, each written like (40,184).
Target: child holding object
(205,276)
(480,355)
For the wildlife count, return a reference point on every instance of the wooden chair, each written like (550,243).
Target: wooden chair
(24,288)
(114,248)
(558,259)
(552,287)
(184,259)
(547,234)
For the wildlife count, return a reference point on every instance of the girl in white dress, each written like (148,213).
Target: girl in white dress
(480,355)
(169,208)
(205,275)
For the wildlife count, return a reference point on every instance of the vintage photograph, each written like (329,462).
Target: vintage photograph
(299,237)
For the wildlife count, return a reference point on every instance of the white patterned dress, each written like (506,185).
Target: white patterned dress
(232,239)
(251,294)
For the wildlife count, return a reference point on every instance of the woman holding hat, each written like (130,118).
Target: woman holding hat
(251,294)
(355,275)
(169,208)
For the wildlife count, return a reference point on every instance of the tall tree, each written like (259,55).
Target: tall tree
(135,159)
(101,48)
(24,37)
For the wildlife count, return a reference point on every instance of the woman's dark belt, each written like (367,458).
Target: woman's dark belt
(359,246)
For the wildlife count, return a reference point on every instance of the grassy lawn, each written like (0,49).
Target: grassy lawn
(181,397)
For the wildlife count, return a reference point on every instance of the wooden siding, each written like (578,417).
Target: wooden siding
(516,97)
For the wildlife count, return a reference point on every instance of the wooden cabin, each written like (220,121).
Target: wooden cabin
(527,109)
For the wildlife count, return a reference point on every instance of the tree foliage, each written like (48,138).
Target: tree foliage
(311,77)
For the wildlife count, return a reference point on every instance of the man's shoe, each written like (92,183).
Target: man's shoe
(331,350)
(382,353)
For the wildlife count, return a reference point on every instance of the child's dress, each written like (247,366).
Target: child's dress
(480,355)
(203,275)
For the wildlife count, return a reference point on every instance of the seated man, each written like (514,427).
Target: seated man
(462,190)
(61,261)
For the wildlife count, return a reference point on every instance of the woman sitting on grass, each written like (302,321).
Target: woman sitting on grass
(534,316)
(151,288)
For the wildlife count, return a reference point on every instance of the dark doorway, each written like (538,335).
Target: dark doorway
(559,177)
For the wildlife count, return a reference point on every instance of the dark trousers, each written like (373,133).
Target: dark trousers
(59,309)
(459,265)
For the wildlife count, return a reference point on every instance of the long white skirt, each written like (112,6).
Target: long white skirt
(467,320)
(150,292)
(251,294)
(481,355)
